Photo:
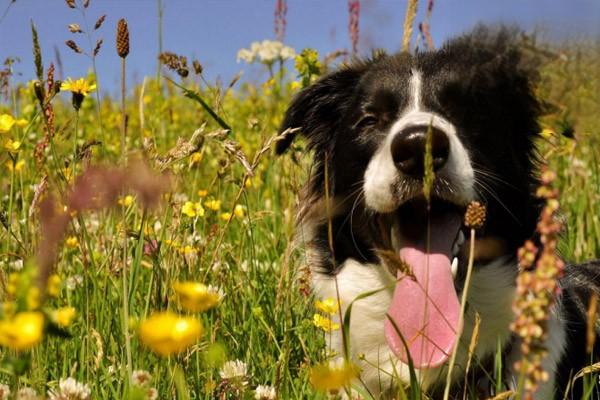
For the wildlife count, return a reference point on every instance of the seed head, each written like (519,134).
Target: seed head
(97,48)
(122,38)
(475,215)
(99,23)
(70,3)
(86,3)
(75,28)
(73,46)
(197,67)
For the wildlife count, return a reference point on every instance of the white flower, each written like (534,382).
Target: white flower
(152,394)
(269,51)
(73,281)
(246,55)
(27,393)
(264,392)
(70,389)
(4,392)
(287,53)
(140,378)
(234,370)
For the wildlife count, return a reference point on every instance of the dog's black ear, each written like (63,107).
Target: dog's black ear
(318,109)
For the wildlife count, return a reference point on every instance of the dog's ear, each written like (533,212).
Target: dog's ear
(318,109)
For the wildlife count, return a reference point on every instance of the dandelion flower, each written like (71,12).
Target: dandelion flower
(167,333)
(79,89)
(331,376)
(192,209)
(196,297)
(264,392)
(140,377)
(328,306)
(72,242)
(22,332)
(63,316)
(325,323)
(225,216)
(70,389)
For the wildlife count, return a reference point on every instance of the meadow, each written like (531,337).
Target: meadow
(146,241)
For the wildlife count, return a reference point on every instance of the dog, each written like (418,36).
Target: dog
(369,124)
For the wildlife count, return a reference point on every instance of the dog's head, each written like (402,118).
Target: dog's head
(369,124)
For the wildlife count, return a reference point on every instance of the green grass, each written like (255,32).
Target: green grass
(265,317)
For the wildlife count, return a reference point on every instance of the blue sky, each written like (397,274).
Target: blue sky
(214,30)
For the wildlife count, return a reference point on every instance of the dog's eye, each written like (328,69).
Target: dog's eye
(367,121)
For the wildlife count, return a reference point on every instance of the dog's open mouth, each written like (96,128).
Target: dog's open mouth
(425,310)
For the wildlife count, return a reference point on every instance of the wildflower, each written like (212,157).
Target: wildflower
(140,378)
(328,306)
(6,122)
(195,158)
(79,90)
(70,389)
(12,146)
(267,52)
(166,333)
(202,193)
(23,331)
(225,216)
(27,393)
(214,205)
(192,209)
(235,371)
(33,298)
(126,201)
(239,211)
(331,376)
(264,392)
(547,133)
(196,297)
(17,167)
(325,323)
(74,281)
(295,85)
(72,242)
(189,253)
(63,316)
(4,392)
(53,285)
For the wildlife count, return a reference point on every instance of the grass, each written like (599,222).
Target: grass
(265,316)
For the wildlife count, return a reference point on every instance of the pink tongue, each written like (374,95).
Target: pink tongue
(426,312)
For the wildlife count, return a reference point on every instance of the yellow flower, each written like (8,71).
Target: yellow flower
(72,242)
(192,209)
(239,211)
(167,333)
(12,146)
(202,193)
(79,86)
(225,216)
(325,323)
(330,377)
(6,122)
(53,285)
(126,201)
(22,332)
(17,167)
(195,158)
(195,296)
(33,298)
(547,133)
(295,85)
(21,122)
(214,205)
(328,306)
(63,316)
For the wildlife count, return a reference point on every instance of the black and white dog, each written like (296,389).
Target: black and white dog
(367,125)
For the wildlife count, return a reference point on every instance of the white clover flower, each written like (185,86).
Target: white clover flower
(27,393)
(264,392)
(140,378)
(232,370)
(70,389)
(4,392)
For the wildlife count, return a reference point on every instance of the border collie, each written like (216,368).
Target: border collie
(368,125)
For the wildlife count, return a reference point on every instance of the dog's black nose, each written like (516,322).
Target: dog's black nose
(408,149)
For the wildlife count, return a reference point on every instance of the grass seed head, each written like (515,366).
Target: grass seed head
(475,215)
(99,22)
(73,46)
(122,38)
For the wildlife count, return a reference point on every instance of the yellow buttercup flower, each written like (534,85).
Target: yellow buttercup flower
(239,211)
(72,242)
(328,306)
(17,167)
(64,316)
(214,205)
(192,209)
(21,122)
(195,296)
(126,201)
(6,122)
(12,146)
(22,332)
(325,323)
(53,285)
(225,216)
(332,376)
(195,158)
(167,333)
(79,86)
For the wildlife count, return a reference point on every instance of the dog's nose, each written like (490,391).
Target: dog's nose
(408,149)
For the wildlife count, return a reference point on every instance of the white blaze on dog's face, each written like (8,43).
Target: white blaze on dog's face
(382,174)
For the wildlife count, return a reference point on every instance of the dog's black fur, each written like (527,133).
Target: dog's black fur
(484,86)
